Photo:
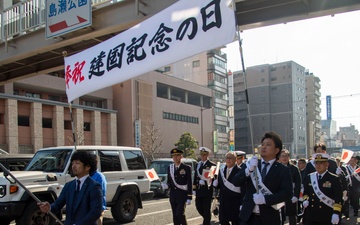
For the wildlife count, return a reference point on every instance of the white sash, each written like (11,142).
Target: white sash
(352,172)
(172,170)
(263,189)
(229,185)
(314,182)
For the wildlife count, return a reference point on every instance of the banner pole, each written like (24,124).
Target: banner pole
(64,53)
(246,94)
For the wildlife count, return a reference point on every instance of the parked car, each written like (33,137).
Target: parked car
(49,170)
(160,166)
(15,162)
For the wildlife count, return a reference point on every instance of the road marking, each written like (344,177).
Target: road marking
(153,213)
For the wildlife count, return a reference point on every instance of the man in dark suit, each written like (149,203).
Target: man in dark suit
(230,197)
(180,184)
(322,194)
(262,206)
(291,206)
(82,196)
(301,166)
(202,186)
(240,157)
(354,180)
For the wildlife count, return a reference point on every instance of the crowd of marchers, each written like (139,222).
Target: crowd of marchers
(266,189)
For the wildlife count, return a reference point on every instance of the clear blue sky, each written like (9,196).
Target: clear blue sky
(329,47)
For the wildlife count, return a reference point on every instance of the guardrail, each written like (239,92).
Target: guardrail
(29,15)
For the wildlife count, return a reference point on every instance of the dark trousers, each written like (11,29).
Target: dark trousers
(354,199)
(203,206)
(253,220)
(178,211)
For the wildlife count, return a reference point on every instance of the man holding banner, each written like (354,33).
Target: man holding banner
(202,185)
(268,184)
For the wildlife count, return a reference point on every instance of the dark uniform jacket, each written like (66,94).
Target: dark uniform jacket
(229,200)
(291,208)
(318,211)
(182,177)
(278,181)
(203,190)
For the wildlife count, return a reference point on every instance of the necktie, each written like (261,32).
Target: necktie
(78,185)
(264,169)
(227,173)
(176,169)
(319,177)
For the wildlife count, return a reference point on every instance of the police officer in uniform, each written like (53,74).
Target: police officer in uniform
(180,184)
(202,186)
(322,194)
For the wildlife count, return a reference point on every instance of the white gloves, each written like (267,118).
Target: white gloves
(188,202)
(294,199)
(201,182)
(164,186)
(306,203)
(215,183)
(253,162)
(259,199)
(335,219)
(194,193)
(338,171)
(345,197)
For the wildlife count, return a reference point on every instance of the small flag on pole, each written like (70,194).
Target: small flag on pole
(346,155)
(152,175)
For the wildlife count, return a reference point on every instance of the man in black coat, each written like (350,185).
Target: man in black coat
(354,180)
(202,186)
(263,207)
(240,157)
(322,194)
(229,196)
(291,205)
(180,184)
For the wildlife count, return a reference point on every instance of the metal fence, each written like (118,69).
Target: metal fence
(29,15)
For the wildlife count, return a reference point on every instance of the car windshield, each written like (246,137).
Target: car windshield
(49,160)
(160,166)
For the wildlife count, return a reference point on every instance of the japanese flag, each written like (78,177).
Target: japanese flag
(357,170)
(346,155)
(152,175)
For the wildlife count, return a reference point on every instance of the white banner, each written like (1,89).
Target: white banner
(184,29)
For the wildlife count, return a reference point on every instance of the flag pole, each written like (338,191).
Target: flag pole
(246,94)
(64,53)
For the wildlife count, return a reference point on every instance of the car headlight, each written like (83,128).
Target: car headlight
(2,191)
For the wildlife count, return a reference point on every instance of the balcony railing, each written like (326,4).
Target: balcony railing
(29,15)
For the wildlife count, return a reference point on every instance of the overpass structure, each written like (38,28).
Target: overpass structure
(24,51)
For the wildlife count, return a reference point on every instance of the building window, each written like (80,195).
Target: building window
(54,98)
(67,125)
(220,128)
(196,63)
(180,117)
(32,95)
(23,121)
(47,123)
(167,68)
(161,90)
(87,126)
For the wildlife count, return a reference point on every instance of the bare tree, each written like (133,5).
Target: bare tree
(79,135)
(152,141)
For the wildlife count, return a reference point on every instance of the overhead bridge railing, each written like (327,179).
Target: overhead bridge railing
(29,15)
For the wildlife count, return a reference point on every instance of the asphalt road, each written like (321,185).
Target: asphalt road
(157,211)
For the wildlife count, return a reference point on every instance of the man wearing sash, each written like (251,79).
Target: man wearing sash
(202,186)
(310,166)
(263,206)
(240,156)
(291,205)
(322,194)
(230,197)
(354,180)
(180,185)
